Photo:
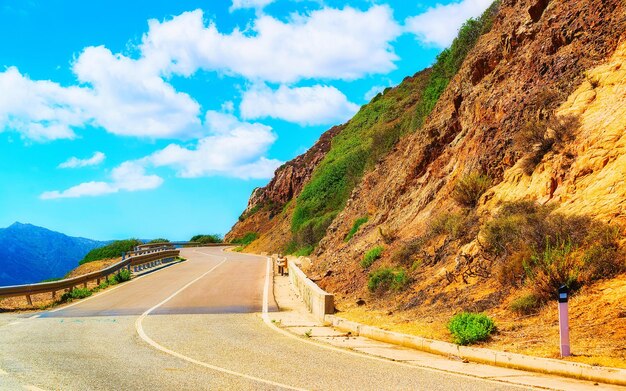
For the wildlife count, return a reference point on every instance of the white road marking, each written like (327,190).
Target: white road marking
(150,341)
(100,294)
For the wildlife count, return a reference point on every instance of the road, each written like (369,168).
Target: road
(196,325)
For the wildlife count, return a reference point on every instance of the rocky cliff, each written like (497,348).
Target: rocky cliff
(512,183)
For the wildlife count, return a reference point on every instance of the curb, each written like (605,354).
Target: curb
(579,371)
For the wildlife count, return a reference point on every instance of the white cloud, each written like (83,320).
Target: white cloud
(74,162)
(40,110)
(440,24)
(129,98)
(316,105)
(129,176)
(241,4)
(327,43)
(234,149)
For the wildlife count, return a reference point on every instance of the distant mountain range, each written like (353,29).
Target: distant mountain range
(30,254)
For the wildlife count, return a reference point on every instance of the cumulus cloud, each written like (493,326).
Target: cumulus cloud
(40,110)
(74,162)
(130,98)
(133,96)
(129,176)
(439,25)
(241,4)
(233,149)
(279,51)
(316,105)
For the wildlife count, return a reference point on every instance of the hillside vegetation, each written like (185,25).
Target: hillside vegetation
(111,250)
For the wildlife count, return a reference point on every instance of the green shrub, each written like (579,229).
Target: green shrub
(387,278)
(123,275)
(468,189)
(355,227)
(371,256)
(76,293)
(205,239)
(526,304)
(112,280)
(246,239)
(159,240)
(111,250)
(467,328)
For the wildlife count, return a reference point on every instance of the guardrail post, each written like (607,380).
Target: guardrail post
(54,295)
(85,285)
(29,300)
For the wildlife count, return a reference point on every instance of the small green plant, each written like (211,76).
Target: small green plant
(123,275)
(308,333)
(76,293)
(467,328)
(355,227)
(468,189)
(371,256)
(387,278)
(181,259)
(526,305)
(111,280)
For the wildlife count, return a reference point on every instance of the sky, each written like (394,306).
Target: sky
(158,118)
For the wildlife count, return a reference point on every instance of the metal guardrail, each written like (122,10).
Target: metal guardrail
(179,244)
(133,259)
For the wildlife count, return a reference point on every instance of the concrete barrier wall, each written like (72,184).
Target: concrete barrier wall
(319,302)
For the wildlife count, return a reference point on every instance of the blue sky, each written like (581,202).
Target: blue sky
(158,118)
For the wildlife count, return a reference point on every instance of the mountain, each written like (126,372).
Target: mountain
(31,254)
(480,184)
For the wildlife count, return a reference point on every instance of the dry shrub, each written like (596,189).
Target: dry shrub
(540,136)
(468,189)
(410,251)
(529,243)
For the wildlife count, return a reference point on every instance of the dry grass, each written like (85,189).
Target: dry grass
(597,319)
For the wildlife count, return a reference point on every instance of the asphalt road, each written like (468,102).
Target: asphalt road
(192,326)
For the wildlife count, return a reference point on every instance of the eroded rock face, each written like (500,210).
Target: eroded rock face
(524,68)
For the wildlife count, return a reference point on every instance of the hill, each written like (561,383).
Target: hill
(484,182)
(31,254)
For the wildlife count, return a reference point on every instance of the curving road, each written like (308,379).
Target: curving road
(196,325)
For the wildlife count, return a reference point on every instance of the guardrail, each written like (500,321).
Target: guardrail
(137,259)
(179,244)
